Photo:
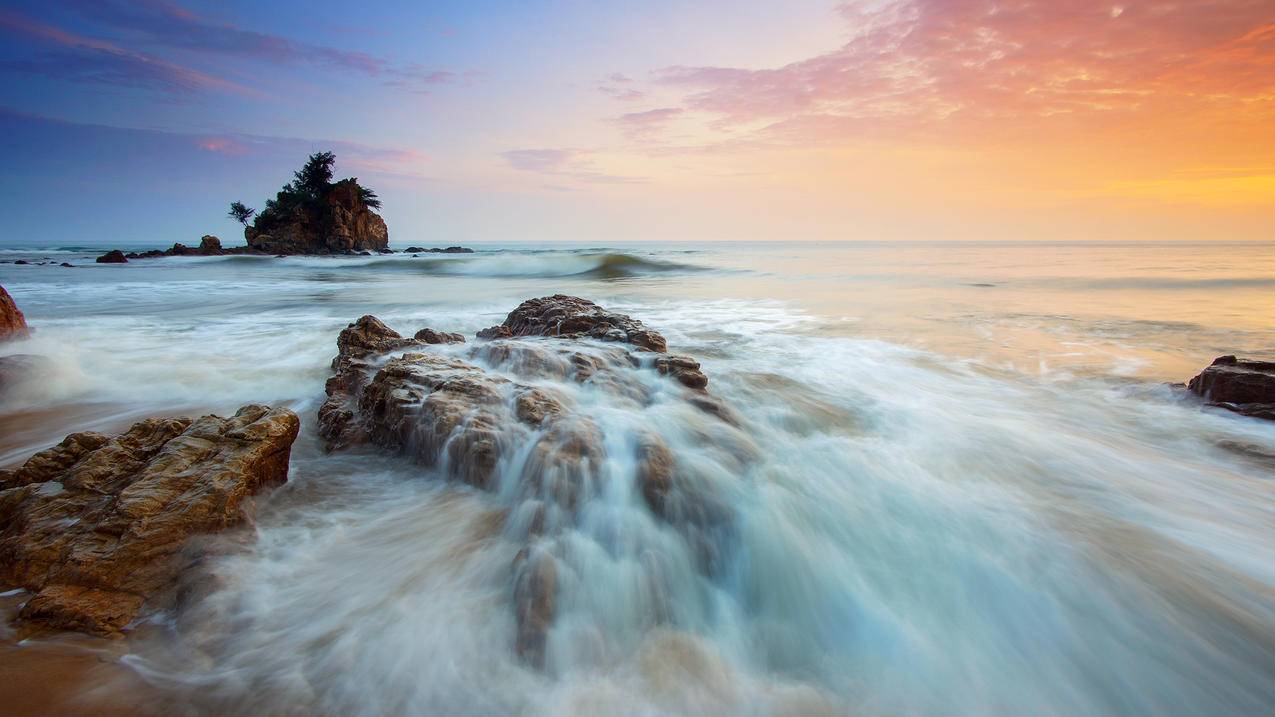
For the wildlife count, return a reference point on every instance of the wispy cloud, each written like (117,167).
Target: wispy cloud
(82,59)
(914,65)
(642,126)
(618,85)
(159,23)
(575,164)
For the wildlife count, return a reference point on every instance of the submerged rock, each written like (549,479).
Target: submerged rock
(13,325)
(496,415)
(94,526)
(18,369)
(1246,387)
(115,256)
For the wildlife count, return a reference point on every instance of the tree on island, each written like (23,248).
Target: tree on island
(313,214)
(308,191)
(241,212)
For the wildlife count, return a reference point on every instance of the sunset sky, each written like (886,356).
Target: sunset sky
(667,120)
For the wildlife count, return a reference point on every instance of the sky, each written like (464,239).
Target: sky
(530,120)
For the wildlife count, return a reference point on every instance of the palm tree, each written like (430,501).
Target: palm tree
(240,212)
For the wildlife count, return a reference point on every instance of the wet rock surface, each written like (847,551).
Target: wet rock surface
(95,527)
(573,317)
(115,256)
(13,325)
(1246,387)
(504,414)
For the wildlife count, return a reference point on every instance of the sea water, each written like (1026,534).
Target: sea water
(967,485)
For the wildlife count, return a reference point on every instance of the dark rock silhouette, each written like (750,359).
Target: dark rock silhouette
(1246,387)
(115,256)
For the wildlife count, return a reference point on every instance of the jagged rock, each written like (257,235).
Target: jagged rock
(94,525)
(13,325)
(209,245)
(684,369)
(1246,387)
(342,224)
(358,342)
(431,336)
(570,316)
(115,256)
(471,411)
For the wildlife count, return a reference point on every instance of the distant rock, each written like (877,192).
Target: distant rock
(340,223)
(21,262)
(1246,387)
(67,265)
(438,250)
(96,526)
(209,245)
(13,325)
(115,256)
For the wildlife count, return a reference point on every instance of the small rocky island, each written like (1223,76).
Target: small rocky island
(311,215)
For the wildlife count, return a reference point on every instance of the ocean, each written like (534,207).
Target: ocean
(971,486)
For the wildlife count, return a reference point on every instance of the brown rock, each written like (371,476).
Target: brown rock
(343,224)
(571,316)
(209,245)
(115,256)
(685,370)
(1246,387)
(431,336)
(13,325)
(535,602)
(94,525)
(450,411)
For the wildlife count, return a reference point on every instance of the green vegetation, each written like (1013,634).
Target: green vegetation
(305,194)
(241,212)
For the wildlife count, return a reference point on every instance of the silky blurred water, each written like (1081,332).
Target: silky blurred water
(969,489)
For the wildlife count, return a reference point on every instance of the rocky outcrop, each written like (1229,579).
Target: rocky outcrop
(573,317)
(497,414)
(209,245)
(13,325)
(437,250)
(1246,387)
(341,223)
(94,526)
(114,256)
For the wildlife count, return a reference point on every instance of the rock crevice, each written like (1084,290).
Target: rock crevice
(94,526)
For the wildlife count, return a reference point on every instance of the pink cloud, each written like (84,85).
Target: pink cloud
(642,126)
(931,65)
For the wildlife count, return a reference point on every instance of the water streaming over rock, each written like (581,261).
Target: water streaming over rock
(915,495)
